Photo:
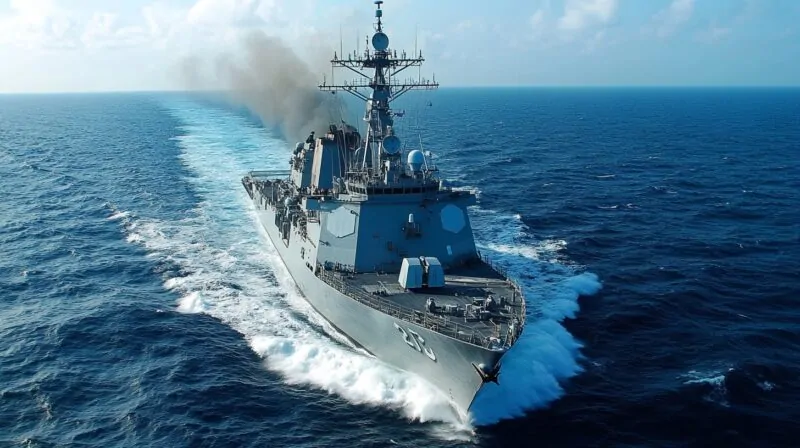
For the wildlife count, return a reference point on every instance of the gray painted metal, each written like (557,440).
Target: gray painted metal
(347,214)
(451,372)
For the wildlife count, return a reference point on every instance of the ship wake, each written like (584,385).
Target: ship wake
(219,261)
(546,354)
(223,265)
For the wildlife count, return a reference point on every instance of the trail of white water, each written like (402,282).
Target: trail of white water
(226,267)
(546,354)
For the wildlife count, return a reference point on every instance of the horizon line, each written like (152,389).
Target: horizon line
(465,86)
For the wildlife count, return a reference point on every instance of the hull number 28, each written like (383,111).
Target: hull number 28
(415,341)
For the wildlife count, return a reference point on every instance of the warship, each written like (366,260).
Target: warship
(381,247)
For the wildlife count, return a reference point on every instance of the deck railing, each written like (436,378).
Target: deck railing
(269,174)
(517,290)
(441,324)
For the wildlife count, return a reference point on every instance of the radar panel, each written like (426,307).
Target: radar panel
(380,41)
(391,144)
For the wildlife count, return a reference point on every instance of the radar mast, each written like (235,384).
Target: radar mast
(381,144)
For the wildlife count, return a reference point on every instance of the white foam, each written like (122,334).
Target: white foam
(192,303)
(222,264)
(718,380)
(118,215)
(360,379)
(546,353)
(714,379)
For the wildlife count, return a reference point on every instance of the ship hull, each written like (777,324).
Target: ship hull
(442,361)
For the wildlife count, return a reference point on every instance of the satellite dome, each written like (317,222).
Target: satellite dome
(415,160)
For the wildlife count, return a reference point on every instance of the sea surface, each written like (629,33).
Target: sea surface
(655,231)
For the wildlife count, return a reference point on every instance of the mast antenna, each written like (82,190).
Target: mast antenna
(416,36)
(378,85)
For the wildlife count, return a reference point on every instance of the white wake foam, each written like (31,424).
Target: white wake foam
(714,380)
(546,353)
(117,215)
(225,266)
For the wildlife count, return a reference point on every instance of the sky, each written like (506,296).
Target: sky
(122,45)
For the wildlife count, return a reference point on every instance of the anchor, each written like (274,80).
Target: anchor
(488,376)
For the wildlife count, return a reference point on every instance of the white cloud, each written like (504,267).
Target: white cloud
(114,47)
(595,41)
(464,25)
(34,11)
(60,24)
(104,30)
(540,26)
(668,20)
(714,33)
(581,21)
(38,23)
(580,14)
(234,13)
(100,25)
(537,20)
(161,20)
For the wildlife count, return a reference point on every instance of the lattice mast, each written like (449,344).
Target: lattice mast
(381,144)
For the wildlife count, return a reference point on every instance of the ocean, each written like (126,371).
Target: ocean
(655,231)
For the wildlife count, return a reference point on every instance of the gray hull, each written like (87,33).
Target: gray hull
(383,335)
(381,247)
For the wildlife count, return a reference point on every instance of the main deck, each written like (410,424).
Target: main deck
(478,303)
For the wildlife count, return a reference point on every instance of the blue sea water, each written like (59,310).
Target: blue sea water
(656,233)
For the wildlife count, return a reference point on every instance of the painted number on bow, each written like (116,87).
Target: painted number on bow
(415,341)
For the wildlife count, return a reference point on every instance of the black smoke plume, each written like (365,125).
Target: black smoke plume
(271,80)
